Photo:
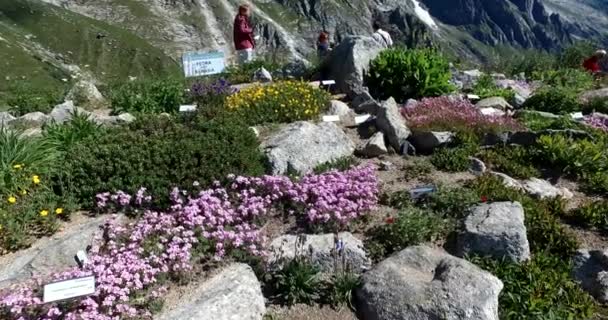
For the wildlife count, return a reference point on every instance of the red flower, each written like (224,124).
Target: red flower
(390,220)
(484,199)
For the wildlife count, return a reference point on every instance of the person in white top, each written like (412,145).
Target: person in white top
(381,36)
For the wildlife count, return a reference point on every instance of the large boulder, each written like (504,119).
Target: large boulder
(302,146)
(341,109)
(233,294)
(85,92)
(38,118)
(507,181)
(497,230)
(543,189)
(427,141)
(65,111)
(392,124)
(322,250)
(374,147)
(426,283)
(494,102)
(594,94)
(363,102)
(5,118)
(49,255)
(349,62)
(591,270)
(522,89)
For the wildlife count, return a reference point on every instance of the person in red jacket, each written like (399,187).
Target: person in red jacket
(592,64)
(243,35)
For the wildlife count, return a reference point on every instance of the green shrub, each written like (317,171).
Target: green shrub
(454,159)
(539,289)
(298,281)
(417,169)
(403,74)
(511,160)
(453,202)
(553,99)
(24,99)
(572,79)
(147,96)
(340,287)
(410,227)
(593,214)
(341,164)
(537,122)
(237,74)
(596,105)
(574,55)
(529,62)
(158,153)
(398,200)
(487,88)
(279,102)
(66,135)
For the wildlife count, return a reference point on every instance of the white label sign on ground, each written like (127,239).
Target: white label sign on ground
(328,82)
(203,63)
(187,107)
(577,116)
(69,289)
(332,118)
(473,97)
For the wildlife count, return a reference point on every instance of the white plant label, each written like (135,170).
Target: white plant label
(82,257)
(333,118)
(187,108)
(577,115)
(69,289)
(328,82)
(473,97)
(361,119)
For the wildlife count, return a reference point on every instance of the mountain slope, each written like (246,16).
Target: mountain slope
(46,44)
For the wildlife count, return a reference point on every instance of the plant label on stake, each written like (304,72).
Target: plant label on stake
(331,118)
(67,289)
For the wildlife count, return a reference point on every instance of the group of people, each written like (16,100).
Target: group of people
(597,64)
(244,39)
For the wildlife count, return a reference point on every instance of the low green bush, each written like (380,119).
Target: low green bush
(66,135)
(554,99)
(24,99)
(454,159)
(409,73)
(158,153)
(341,164)
(593,214)
(596,105)
(453,202)
(539,289)
(340,287)
(147,96)
(298,281)
(574,55)
(417,169)
(576,80)
(244,73)
(410,227)
(485,87)
(514,161)
(537,122)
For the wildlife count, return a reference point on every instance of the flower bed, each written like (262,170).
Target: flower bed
(279,102)
(454,114)
(132,263)
(598,121)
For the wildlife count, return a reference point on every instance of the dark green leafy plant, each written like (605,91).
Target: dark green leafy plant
(159,153)
(574,55)
(340,287)
(409,73)
(66,135)
(398,200)
(553,99)
(417,169)
(454,159)
(298,281)
(487,88)
(536,122)
(539,289)
(24,99)
(244,73)
(410,227)
(147,96)
(593,214)
(511,160)
(596,105)
(452,202)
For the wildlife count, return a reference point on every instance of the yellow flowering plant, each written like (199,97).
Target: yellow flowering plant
(279,102)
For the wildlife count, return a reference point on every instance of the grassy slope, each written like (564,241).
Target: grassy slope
(114,57)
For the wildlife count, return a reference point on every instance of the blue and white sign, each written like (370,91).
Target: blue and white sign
(203,63)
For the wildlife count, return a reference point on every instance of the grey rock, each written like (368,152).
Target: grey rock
(85,92)
(494,102)
(35,117)
(594,94)
(5,118)
(497,230)
(374,147)
(302,146)
(31,133)
(590,268)
(477,166)
(105,120)
(407,149)
(498,76)
(543,189)
(341,109)
(424,283)
(507,181)
(392,124)
(126,118)
(492,139)
(321,249)
(349,62)
(523,138)
(51,255)
(427,141)
(386,166)
(64,112)
(522,90)
(543,114)
(233,294)
(262,75)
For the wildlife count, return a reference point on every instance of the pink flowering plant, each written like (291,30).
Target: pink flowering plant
(455,114)
(598,121)
(132,263)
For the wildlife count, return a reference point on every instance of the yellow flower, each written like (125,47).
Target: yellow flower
(18,166)
(36,179)
(12,200)
(59,211)
(44,213)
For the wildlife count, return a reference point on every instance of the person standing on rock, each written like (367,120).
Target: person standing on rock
(592,64)
(244,42)
(381,36)
(323,46)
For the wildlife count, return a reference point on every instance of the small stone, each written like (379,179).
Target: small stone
(494,102)
(35,117)
(427,141)
(32,133)
(374,147)
(262,75)
(507,181)
(126,118)
(386,166)
(392,124)
(477,166)
(543,189)
(340,108)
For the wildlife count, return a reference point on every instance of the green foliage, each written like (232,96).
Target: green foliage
(409,73)
(487,88)
(24,99)
(147,96)
(454,159)
(398,200)
(452,202)
(536,122)
(511,160)
(279,102)
(545,233)
(158,153)
(593,214)
(417,169)
(573,79)
(66,135)
(574,55)
(530,62)
(298,281)
(237,74)
(340,287)
(596,105)
(539,289)
(553,99)
(341,164)
(410,227)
